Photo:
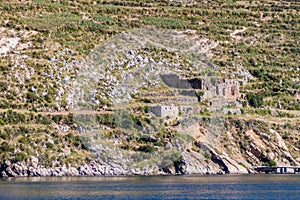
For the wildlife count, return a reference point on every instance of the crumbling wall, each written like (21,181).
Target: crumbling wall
(165,110)
(225,88)
(173,80)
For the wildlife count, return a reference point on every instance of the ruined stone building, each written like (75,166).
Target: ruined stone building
(165,110)
(225,88)
(211,87)
(219,92)
(174,81)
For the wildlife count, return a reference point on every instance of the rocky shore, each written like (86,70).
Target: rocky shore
(191,164)
(21,170)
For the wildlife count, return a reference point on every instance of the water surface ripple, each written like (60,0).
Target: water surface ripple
(162,187)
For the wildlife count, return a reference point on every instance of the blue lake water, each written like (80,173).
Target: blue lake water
(161,187)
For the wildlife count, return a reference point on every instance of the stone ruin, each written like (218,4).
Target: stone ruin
(165,110)
(210,86)
(227,89)
(219,92)
(221,87)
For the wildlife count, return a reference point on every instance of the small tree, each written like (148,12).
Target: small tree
(271,163)
(255,100)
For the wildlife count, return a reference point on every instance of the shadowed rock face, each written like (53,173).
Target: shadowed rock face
(214,156)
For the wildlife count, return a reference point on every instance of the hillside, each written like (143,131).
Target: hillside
(80,80)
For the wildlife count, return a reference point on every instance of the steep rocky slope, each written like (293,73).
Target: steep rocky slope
(46,46)
(243,145)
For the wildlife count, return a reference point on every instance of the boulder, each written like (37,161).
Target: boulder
(10,172)
(18,169)
(43,172)
(118,171)
(34,161)
(32,171)
(3,174)
(7,163)
(73,171)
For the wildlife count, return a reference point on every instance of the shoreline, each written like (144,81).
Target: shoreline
(98,169)
(19,170)
(120,177)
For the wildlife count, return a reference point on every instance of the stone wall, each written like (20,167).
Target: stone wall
(156,110)
(173,80)
(225,88)
(236,111)
(189,110)
(232,89)
(219,92)
(165,110)
(176,100)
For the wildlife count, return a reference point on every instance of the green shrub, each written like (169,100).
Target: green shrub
(146,109)
(286,136)
(57,118)
(45,120)
(70,119)
(255,100)
(23,140)
(77,141)
(125,147)
(5,147)
(49,145)
(2,123)
(4,136)
(242,164)
(271,163)
(21,156)
(146,148)
(31,97)
(159,144)
(3,86)
(207,155)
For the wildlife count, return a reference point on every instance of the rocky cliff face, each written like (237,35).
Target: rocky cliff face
(243,145)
